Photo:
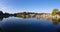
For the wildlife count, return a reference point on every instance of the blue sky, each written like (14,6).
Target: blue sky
(39,6)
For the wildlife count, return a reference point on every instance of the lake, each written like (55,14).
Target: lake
(16,24)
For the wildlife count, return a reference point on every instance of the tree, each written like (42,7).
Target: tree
(58,13)
(1,12)
(54,12)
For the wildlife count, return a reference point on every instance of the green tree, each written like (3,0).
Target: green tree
(58,13)
(54,12)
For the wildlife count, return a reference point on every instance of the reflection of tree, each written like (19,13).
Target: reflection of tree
(1,18)
(1,30)
(58,20)
(55,21)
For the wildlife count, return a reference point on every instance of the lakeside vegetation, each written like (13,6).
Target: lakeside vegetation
(55,12)
(5,14)
(31,14)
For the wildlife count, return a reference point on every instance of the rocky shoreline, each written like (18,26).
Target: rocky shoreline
(34,15)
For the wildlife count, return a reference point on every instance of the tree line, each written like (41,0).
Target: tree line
(5,14)
(54,12)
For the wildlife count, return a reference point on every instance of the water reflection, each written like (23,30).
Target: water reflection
(59,20)
(1,29)
(38,23)
(55,21)
(57,30)
(1,18)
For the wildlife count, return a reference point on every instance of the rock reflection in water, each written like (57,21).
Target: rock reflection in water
(54,21)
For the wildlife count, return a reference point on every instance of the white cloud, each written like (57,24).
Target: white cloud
(5,8)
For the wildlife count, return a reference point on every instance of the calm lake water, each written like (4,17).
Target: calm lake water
(15,24)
